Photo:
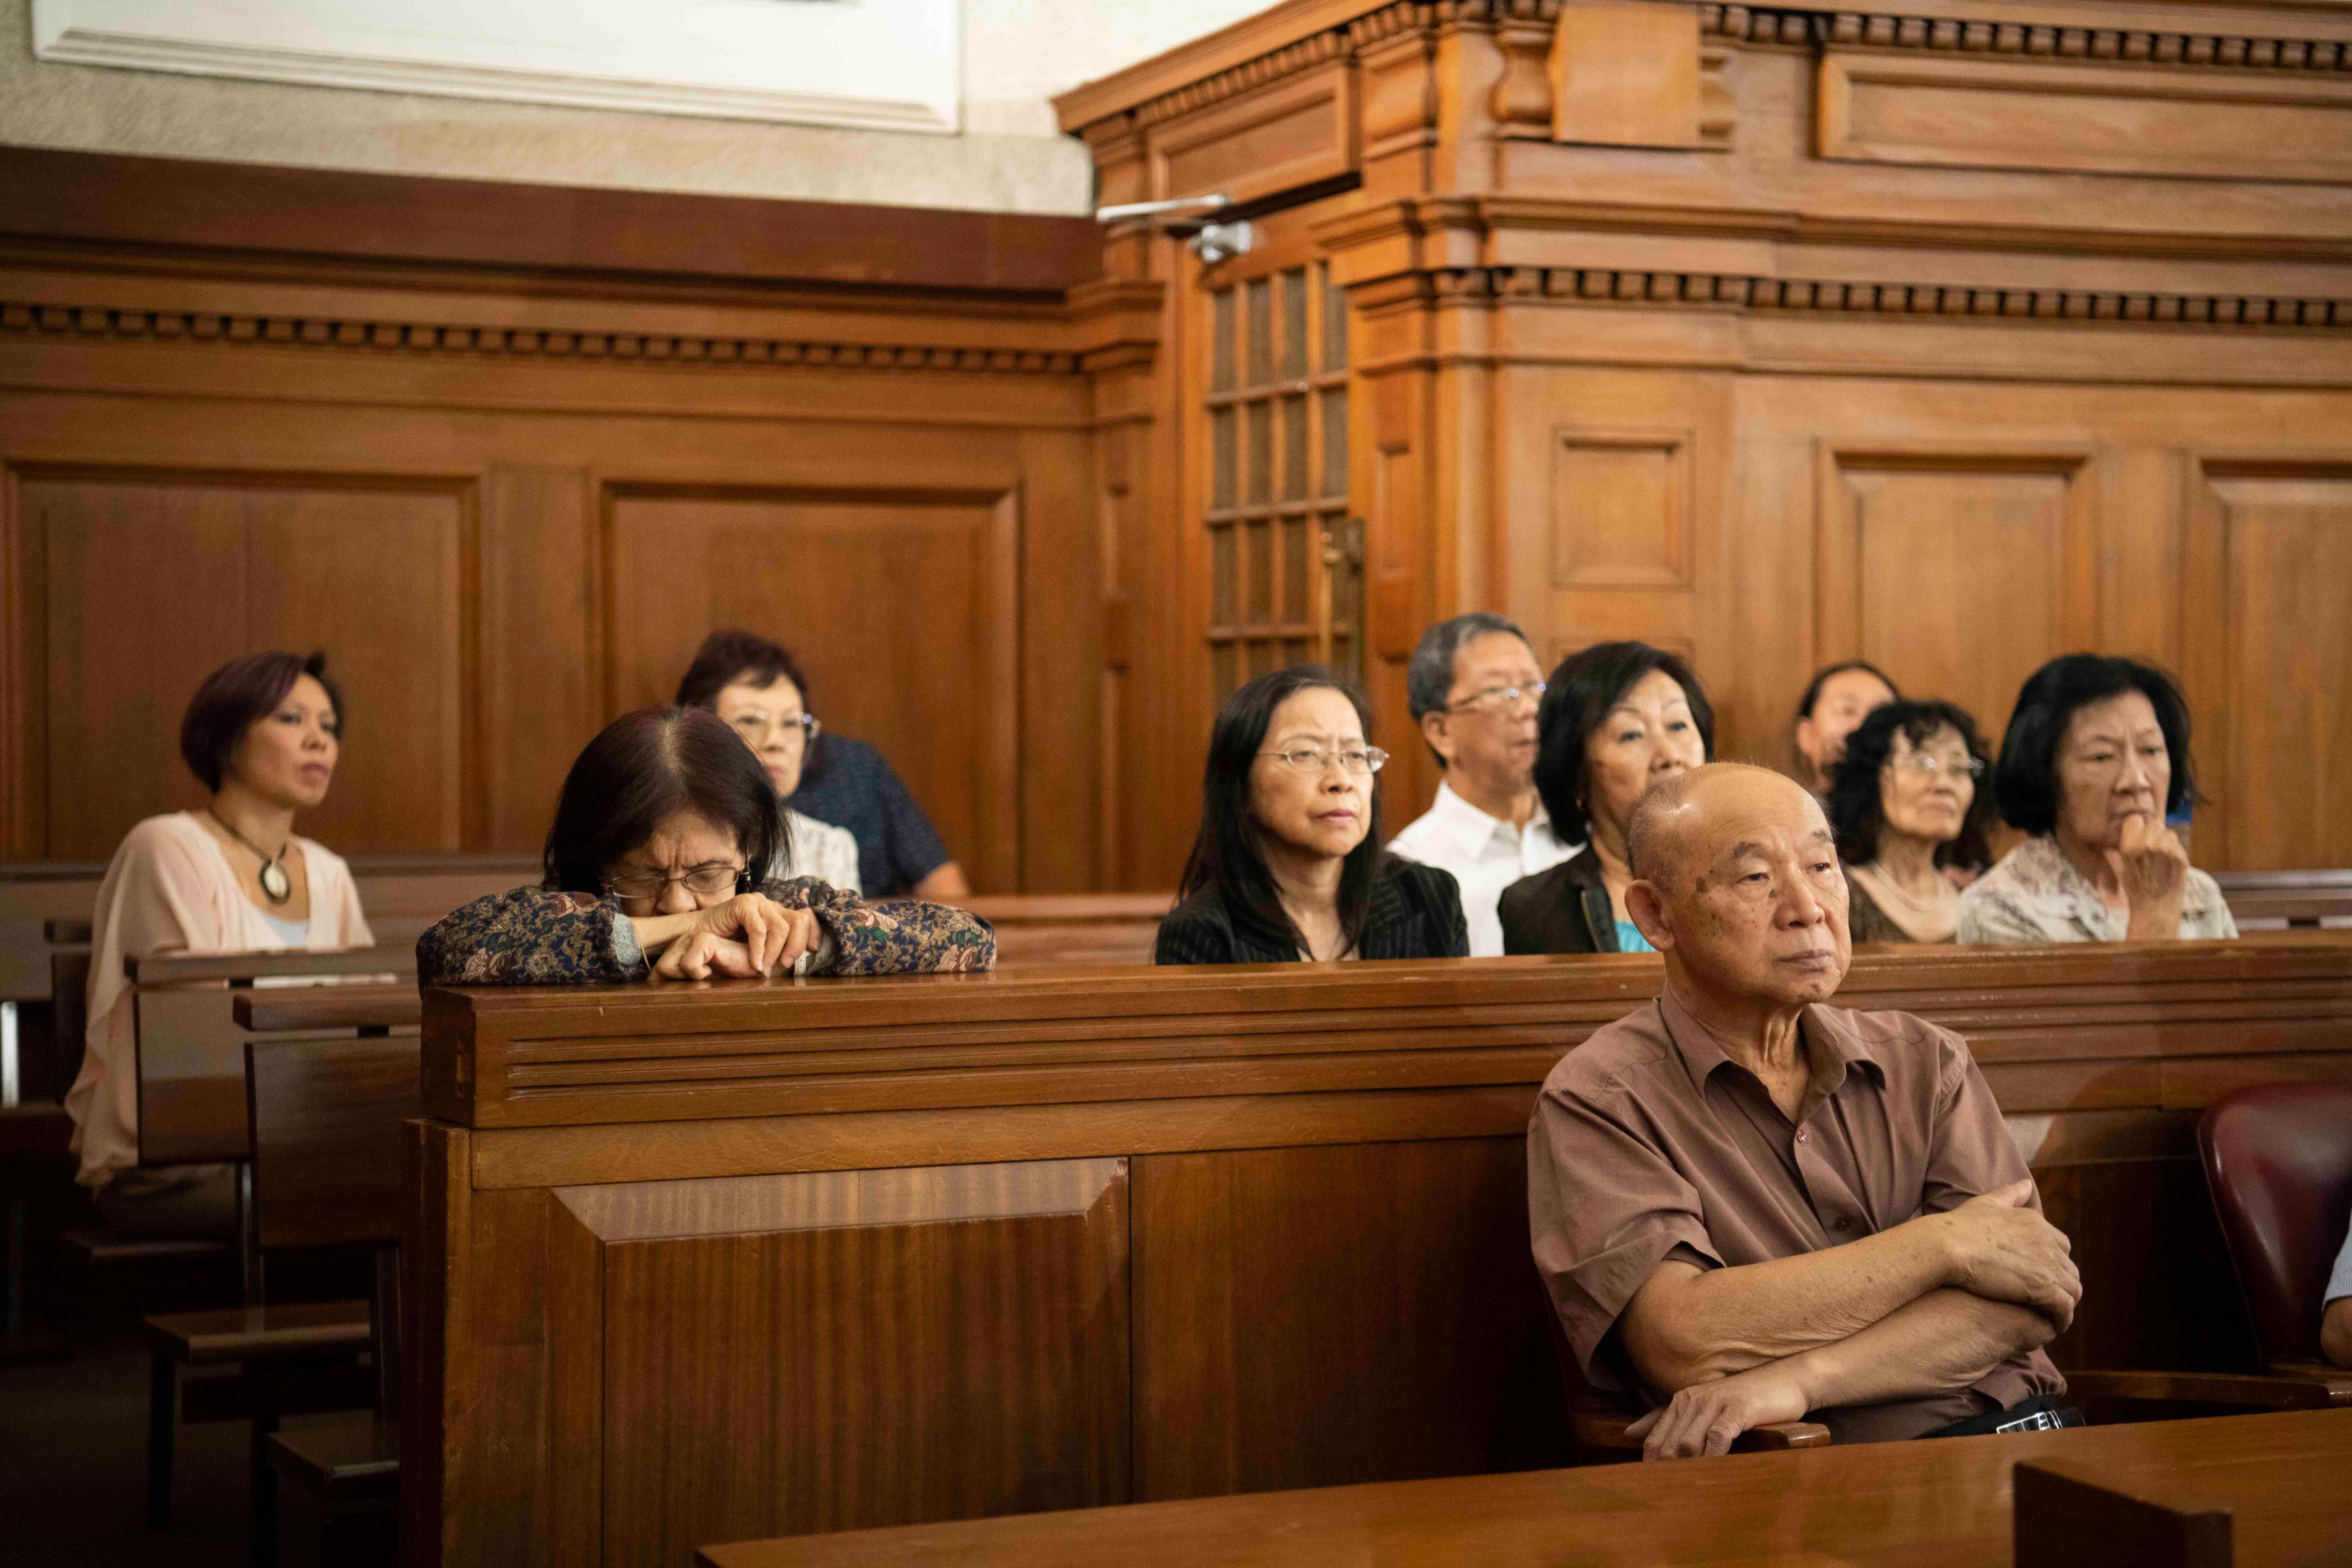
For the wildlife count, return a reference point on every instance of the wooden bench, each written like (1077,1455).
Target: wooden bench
(326,1117)
(45,919)
(2278,901)
(191,1102)
(2278,1481)
(195,1025)
(1037,931)
(738,1259)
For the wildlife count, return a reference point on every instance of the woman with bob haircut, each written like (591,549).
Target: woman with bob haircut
(1616,719)
(1905,804)
(262,734)
(2095,758)
(1288,865)
(667,859)
(842,797)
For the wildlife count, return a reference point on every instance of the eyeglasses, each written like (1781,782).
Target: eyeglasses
(1312,760)
(1491,698)
(1931,765)
(703,881)
(757,726)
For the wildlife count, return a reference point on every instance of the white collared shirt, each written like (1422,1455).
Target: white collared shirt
(1485,854)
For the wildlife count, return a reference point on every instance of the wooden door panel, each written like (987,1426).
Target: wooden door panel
(2269,628)
(145,584)
(1268,1279)
(899,608)
(1958,573)
(960,1334)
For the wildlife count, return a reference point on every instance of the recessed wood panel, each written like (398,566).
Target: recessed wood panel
(1620,510)
(2105,119)
(1959,575)
(139,585)
(2270,630)
(901,608)
(789,1353)
(1267,1281)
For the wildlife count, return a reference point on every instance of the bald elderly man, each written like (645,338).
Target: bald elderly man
(1750,1207)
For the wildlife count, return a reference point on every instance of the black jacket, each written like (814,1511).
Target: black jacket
(1564,910)
(1416,912)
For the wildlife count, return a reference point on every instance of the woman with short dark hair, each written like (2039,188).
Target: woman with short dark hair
(1905,804)
(851,819)
(1288,865)
(263,734)
(1616,718)
(667,858)
(2096,758)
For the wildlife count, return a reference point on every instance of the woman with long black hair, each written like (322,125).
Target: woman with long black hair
(1288,866)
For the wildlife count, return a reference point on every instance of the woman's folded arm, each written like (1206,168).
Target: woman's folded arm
(901,937)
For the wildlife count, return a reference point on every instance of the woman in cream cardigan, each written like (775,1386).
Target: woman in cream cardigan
(263,735)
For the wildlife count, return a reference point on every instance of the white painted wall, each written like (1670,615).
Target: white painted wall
(1008,156)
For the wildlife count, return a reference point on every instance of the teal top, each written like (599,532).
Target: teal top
(1630,939)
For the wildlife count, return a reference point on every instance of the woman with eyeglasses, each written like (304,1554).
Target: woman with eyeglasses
(1288,866)
(1903,803)
(2095,762)
(1616,718)
(851,819)
(669,858)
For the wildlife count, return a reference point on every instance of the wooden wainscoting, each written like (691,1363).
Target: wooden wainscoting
(507,481)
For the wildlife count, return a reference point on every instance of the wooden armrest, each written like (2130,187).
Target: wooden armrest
(2320,1388)
(1604,1428)
(1781,1435)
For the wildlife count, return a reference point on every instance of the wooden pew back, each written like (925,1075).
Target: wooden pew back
(2273,901)
(191,1094)
(326,1118)
(1045,931)
(1023,1241)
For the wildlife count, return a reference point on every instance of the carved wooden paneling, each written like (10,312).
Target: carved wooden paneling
(789,1353)
(900,607)
(1267,1279)
(496,380)
(136,584)
(1958,573)
(1630,75)
(1607,527)
(1293,134)
(2268,626)
(1620,510)
(2104,119)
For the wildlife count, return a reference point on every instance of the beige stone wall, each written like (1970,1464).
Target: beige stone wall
(1008,159)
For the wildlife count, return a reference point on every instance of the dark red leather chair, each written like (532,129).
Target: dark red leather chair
(2278,1159)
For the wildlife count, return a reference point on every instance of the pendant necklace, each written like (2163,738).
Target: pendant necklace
(276,886)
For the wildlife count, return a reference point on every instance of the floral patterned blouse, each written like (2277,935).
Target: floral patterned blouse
(533,936)
(2036,895)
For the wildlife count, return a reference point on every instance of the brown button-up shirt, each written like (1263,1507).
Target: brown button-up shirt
(1648,1142)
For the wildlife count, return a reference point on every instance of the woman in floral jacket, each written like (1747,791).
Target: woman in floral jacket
(648,875)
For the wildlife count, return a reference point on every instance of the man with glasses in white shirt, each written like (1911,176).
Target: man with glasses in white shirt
(1471,687)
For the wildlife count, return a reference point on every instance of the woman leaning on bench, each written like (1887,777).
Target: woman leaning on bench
(649,873)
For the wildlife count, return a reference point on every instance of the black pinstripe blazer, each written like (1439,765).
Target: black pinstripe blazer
(1416,912)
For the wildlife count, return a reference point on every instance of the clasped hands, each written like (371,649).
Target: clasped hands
(1995,1246)
(748,936)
